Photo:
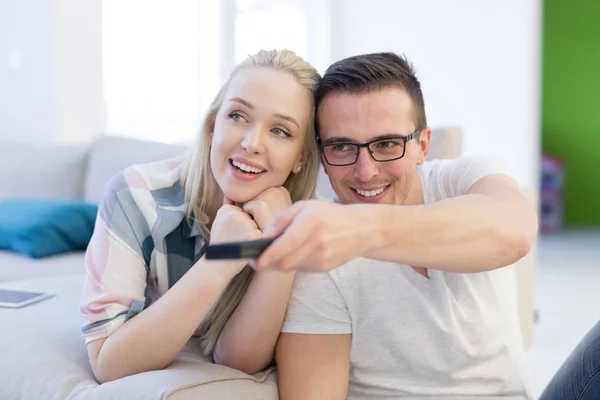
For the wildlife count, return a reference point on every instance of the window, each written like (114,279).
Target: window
(270,25)
(151,68)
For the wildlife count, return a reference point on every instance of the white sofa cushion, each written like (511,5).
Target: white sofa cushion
(15,266)
(44,357)
(109,155)
(48,171)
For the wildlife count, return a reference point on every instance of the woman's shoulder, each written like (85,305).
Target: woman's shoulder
(136,198)
(146,185)
(149,177)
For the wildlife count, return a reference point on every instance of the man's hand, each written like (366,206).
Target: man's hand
(264,207)
(317,236)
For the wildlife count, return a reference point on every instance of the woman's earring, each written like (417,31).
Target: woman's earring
(298,169)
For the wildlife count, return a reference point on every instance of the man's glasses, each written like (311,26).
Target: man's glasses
(387,149)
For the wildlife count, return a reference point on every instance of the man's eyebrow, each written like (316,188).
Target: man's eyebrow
(242,101)
(339,139)
(287,118)
(344,139)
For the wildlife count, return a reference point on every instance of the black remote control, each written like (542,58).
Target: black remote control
(237,250)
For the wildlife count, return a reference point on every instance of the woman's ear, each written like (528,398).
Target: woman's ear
(298,167)
(301,162)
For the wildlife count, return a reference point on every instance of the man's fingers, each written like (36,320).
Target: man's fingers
(293,234)
(299,259)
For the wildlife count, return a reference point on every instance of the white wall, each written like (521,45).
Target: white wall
(77,70)
(478,62)
(50,70)
(25,69)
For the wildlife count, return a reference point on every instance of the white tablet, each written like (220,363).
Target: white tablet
(14,298)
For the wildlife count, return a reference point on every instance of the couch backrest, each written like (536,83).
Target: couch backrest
(75,171)
(48,171)
(108,155)
(446,143)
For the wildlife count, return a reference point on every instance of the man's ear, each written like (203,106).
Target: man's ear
(424,140)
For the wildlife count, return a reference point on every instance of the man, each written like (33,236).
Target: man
(579,375)
(421,307)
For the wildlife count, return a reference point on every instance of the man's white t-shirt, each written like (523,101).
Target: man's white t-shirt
(448,336)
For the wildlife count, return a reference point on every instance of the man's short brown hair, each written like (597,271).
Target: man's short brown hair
(368,73)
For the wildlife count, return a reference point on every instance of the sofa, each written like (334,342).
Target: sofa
(42,353)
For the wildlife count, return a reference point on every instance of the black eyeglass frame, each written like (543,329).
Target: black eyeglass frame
(359,146)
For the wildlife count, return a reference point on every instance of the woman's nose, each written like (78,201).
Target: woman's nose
(253,140)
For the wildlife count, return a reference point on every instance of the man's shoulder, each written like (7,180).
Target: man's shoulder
(445,178)
(463,163)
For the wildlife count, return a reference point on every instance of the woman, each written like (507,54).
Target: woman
(148,289)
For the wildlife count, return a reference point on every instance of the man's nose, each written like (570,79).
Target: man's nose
(254,140)
(365,167)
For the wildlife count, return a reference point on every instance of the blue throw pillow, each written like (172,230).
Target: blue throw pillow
(40,228)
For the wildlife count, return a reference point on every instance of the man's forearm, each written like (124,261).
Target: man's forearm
(470,233)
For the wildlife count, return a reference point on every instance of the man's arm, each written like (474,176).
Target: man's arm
(313,367)
(491,226)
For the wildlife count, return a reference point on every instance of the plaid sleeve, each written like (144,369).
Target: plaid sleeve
(115,263)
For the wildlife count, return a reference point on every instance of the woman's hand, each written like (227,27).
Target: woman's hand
(248,340)
(232,224)
(264,207)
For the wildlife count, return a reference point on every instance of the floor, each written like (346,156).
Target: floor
(567,299)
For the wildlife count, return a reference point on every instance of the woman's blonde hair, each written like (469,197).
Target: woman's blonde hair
(201,186)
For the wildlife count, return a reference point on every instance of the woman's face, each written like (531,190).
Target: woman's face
(259,131)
